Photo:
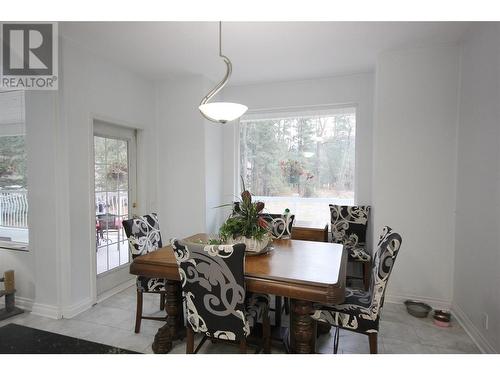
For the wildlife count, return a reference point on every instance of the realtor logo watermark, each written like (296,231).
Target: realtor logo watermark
(29,56)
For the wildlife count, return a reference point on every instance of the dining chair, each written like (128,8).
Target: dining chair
(360,311)
(280,227)
(143,233)
(217,305)
(348,225)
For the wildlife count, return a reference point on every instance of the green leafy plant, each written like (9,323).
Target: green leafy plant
(245,219)
(214,241)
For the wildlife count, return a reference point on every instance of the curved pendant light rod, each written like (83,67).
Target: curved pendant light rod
(221,84)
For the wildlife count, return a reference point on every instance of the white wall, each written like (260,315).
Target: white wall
(179,171)
(37,270)
(180,158)
(55,278)
(414,164)
(214,164)
(347,89)
(477,258)
(415,137)
(190,159)
(406,167)
(93,88)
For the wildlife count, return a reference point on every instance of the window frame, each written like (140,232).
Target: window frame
(105,129)
(281,112)
(17,128)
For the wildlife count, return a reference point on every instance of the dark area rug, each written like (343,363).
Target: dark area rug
(17,339)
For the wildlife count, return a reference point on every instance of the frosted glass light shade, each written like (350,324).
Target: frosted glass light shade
(223,111)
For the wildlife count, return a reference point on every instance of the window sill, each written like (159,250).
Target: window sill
(15,246)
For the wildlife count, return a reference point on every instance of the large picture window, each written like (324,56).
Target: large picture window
(302,161)
(13,181)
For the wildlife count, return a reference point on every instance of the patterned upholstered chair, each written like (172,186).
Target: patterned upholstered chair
(213,283)
(360,311)
(280,227)
(144,236)
(349,225)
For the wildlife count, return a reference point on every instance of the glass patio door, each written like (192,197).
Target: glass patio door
(114,201)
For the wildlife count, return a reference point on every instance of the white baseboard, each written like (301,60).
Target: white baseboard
(41,309)
(481,342)
(435,303)
(86,304)
(48,311)
(51,311)
(54,312)
(115,290)
(21,302)
(77,308)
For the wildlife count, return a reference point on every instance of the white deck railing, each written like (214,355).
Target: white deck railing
(112,202)
(13,208)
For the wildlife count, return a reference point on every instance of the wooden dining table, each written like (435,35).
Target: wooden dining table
(304,271)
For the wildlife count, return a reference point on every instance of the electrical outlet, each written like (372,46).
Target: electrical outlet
(486,321)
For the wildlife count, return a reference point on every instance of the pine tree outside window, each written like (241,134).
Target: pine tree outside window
(302,160)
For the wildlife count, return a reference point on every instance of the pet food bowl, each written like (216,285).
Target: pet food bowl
(442,318)
(417,309)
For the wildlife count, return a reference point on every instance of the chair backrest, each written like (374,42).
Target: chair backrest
(143,234)
(213,282)
(279,225)
(349,224)
(383,262)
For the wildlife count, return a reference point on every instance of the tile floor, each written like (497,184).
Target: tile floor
(111,322)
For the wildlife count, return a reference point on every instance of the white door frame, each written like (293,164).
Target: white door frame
(110,129)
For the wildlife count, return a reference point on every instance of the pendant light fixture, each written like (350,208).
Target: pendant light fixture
(221,112)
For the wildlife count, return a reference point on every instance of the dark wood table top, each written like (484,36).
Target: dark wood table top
(313,271)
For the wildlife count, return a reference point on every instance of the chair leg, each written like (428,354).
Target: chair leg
(277,311)
(286,302)
(200,344)
(336,337)
(266,333)
(138,314)
(372,337)
(243,346)
(366,275)
(189,340)
(162,301)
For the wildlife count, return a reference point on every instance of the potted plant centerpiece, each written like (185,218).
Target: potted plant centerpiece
(245,225)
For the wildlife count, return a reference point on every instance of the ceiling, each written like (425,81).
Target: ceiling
(259,51)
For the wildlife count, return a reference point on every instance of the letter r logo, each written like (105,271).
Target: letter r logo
(27,49)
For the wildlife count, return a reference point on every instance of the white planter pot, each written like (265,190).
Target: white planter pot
(252,245)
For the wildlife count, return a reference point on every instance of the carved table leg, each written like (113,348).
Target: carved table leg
(174,327)
(302,327)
